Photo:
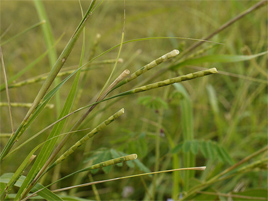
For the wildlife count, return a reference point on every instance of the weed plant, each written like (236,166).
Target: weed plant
(98,91)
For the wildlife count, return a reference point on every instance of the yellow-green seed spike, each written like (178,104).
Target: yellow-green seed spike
(174,80)
(151,65)
(89,135)
(112,162)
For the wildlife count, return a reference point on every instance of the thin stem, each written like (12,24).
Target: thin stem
(7,91)
(53,73)
(224,26)
(131,176)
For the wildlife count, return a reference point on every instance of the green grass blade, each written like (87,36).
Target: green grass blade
(89,135)
(49,145)
(62,73)
(188,132)
(136,90)
(93,167)
(45,193)
(23,32)
(61,60)
(28,67)
(49,40)
(19,172)
(217,59)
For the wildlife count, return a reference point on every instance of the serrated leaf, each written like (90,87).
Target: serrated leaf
(194,147)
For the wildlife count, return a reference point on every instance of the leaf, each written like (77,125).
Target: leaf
(115,154)
(72,198)
(141,166)
(186,146)
(177,148)
(54,135)
(217,59)
(153,102)
(45,193)
(225,157)
(213,99)
(19,171)
(203,149)
(194,147)
(101,157)
(210,150)
(258,192)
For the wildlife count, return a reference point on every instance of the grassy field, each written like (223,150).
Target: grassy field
(55,65)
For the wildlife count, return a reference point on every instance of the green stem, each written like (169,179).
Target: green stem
(53,73)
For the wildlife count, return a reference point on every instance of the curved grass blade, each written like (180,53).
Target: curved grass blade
(7,91)
(136,90)
(87,136)
(218,59)
(31,65)
(23,32)
(19,172)
(188,132)
(49,40)
(53,136)
(45,193)
(61,60)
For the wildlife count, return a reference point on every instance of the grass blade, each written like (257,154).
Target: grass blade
(217,59)
(61,60)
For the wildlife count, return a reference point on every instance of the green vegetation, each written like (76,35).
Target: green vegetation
(188,81)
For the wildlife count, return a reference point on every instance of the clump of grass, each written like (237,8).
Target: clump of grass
(175,146)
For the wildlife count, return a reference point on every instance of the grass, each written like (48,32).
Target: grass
(217,121)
